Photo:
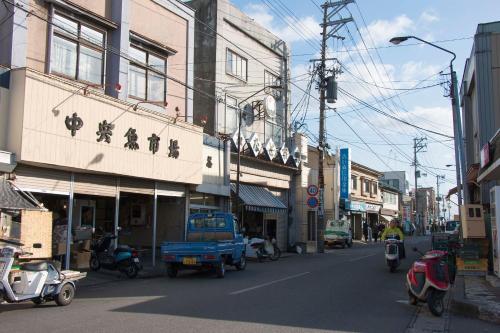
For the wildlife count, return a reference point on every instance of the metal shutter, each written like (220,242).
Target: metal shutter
(171,189)
(135,185)
(34,179)
(95,185)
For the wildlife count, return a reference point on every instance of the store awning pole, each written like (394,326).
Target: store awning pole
(155,209)
(70,220)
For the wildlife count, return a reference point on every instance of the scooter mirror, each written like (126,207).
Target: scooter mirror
(118,228)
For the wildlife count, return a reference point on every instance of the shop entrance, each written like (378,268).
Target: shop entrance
(136,220)
(270,229)
(357,226)
(94,212)
(171,216)
(253,223)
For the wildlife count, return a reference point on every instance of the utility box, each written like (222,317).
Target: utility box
(472,221)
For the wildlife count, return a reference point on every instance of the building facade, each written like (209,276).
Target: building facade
(241,96)
(365,199)
(480,111)
(391,207)
(426,207)
(96,115)
(396,179)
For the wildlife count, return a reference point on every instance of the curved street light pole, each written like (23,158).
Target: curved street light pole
(457,121)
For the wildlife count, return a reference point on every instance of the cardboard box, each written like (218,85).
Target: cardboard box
(85,245)
(59,249)
(80,260)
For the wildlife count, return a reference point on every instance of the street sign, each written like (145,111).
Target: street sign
(312,190)
(312,202)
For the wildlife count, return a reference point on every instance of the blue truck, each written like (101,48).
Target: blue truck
(213,241)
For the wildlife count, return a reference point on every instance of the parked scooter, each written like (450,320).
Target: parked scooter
(392,255)
(428,280)
(262,248)
(124,258)
(37,282)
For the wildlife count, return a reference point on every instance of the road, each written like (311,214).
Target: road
(344,290)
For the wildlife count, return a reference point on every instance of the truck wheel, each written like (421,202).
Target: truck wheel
(242,264)
(220,269)
(66,295)
(172,270)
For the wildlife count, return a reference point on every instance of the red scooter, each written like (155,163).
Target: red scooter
(428,280)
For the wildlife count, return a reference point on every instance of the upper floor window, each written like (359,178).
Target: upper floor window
(236,65)
(354,182)
(147,75)
(77,50)
(375,188)
(367,186)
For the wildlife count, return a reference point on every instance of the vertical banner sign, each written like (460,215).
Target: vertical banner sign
(345,173)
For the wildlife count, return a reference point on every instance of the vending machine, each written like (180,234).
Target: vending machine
(495,227)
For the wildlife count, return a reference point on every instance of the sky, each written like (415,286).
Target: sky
(381,75)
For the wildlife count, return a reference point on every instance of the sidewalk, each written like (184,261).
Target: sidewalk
(477,297)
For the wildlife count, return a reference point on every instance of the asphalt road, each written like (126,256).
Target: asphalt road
(347,290)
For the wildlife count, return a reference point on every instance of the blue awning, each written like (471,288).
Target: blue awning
(259,199)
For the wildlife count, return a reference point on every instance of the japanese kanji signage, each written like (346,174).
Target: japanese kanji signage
(74,123)
(345,173)
(105,131)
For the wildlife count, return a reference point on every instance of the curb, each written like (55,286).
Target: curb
(463,307)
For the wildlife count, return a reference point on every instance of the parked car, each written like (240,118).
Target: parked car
(338,232)
(213,240)
(452,227)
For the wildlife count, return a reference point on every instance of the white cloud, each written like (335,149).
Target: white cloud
(382,30)
(429,16)
(418,70)
(292,31)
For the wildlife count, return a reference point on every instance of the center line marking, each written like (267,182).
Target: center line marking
(370,255)
(268,283)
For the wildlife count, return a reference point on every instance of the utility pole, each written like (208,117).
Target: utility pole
(418,145)
(438,198)
(330,28)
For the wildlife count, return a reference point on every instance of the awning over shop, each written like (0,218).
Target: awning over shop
(259,199)
(387,218)
(11,199)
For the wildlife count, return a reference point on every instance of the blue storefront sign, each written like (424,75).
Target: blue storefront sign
(357,206)
(345,173)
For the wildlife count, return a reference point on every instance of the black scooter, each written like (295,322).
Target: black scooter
(124,258)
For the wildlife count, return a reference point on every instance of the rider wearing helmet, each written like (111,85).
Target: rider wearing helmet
(393,229)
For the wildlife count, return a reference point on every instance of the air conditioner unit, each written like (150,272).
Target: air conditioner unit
(472,221)
(495,227)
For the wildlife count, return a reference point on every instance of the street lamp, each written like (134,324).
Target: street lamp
(459,143)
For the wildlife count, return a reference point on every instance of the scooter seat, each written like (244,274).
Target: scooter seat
(35,266)
(123,248)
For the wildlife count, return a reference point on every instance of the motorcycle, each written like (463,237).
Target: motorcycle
(124,258)
(392,255)
(428,280)
(37,281)
(262,248)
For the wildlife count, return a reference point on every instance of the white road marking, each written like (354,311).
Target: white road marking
(268,283)
(403,301)
(370,255)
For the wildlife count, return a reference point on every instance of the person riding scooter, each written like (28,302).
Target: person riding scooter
(395,230)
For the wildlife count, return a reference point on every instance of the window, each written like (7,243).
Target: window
(147,75)
(209,222)
(367,186)
(77,50)
(231,114)
(375,188)
(272,80)
(236,65)
(354,182)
